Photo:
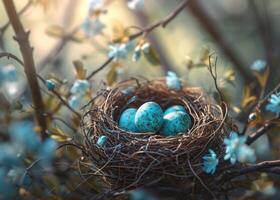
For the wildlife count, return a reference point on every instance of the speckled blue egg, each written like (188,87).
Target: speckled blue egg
(175,122)
(126,121)
(149,117)
(175,108)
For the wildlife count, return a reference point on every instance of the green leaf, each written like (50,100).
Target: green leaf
(80,70)
(55,31)
(151,55)
(112,75)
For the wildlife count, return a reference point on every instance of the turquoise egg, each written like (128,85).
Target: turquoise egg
(126,121)
(175,108)
(175,122)
(148,117)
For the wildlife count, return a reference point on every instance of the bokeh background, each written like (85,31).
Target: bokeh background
(183,46)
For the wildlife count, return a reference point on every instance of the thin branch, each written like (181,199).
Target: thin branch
(213,71)
(21,12)
(65,103)
(258,107)
(10,55)
(54,52)
(162,23)
(263,166)
(22,37)
(266,127)
(107,62)
(209,24)
(7,24)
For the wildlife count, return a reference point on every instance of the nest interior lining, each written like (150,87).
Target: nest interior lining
(131,160)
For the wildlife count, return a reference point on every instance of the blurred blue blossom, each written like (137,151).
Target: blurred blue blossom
(50,84)
(258,65)
(95,5)
(246,154)
(75,101)
(101,142)
(173,81)
(210,162)
(23,135)
(47,151)
(80,87)
(8,73)
(118,51)
(136,4)
(237,149)
(7,189)
(18,176)
(92,27)
(136,54)
(274,103)
(141,194)
(9,155)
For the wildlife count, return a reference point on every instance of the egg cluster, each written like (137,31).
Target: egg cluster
(150,117)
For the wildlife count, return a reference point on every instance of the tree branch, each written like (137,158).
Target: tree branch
(260,167)
(7,24)
(162,23)
(262,130)
(9,55)
(22,37)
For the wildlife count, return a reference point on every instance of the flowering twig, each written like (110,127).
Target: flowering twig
(9,55)
(22,37)
(162,23)
(267,96)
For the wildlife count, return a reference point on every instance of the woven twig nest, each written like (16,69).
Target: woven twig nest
(130,160)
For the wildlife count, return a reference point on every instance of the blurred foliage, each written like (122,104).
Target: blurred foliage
(73,39)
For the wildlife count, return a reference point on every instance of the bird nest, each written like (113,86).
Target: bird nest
(131,160)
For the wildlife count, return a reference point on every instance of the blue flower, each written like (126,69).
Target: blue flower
(9,156)
(92,27)
(102,140)
(136,4)
(258,65)
(118,51)
(9,73)
(274,103)
(23,135)
(172,81)
(237,149)
(75,102)
(210,162)
(50,84)
(80,87)
(47,151)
